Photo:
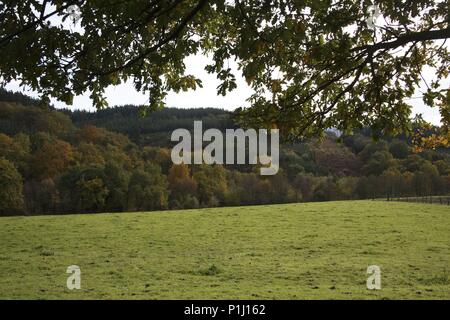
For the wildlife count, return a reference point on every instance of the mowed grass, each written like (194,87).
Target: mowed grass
(294,251)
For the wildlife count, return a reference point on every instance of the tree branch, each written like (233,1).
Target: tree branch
(37,22)
(404,39)
(173,35)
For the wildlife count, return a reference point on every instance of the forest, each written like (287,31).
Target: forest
(116,160)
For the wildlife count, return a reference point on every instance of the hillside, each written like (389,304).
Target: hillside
(294,251)
(154,128)
(114,160)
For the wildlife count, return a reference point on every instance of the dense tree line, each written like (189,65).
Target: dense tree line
(55,162)
(154,129)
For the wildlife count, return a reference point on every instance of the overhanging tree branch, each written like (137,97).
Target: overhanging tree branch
(33,24)
(173,35)
(404,39)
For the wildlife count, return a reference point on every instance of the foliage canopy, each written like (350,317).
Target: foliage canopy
(312,64)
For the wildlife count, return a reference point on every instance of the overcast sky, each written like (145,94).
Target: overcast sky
(202,97)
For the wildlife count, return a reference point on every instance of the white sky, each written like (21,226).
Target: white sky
(202,97)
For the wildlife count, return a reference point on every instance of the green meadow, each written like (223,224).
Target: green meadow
(292,251)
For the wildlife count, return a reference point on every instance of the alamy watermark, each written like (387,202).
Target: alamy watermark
(374,280)
(74,280)
(237,147)
(374,13)
(74,13)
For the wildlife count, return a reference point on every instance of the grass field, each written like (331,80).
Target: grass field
(296,251)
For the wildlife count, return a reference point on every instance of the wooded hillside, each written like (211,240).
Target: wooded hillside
(115,160)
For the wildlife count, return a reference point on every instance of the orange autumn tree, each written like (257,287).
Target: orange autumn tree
(52,158)
(426,136)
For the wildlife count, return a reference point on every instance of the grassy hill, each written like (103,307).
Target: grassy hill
(295,251)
